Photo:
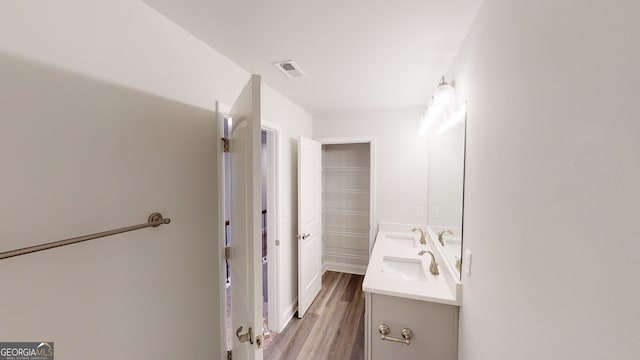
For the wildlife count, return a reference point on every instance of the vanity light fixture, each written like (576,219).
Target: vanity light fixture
(428,118)
(445,94)
(441,114)
(456,119)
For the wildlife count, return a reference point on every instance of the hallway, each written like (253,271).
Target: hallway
(333,327)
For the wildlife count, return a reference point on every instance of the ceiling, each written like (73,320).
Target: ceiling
(358,54)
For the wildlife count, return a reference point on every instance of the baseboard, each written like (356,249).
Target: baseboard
(288,314)
(345,268)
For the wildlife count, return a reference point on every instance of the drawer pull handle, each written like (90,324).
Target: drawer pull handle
(406,334)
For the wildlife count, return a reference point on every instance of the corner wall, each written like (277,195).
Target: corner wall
(551,190)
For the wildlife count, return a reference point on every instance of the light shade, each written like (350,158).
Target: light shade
(457,118)
(444,95)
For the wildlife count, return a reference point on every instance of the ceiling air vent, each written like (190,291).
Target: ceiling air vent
(290,69)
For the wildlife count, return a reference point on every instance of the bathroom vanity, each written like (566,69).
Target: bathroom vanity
(413,279)
(411,313)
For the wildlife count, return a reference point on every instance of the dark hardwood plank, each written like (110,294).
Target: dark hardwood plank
(357,352)
(298,338)
(281,340)
(340,288)
(329,281)
(333,327)
(348,331)
(352,287)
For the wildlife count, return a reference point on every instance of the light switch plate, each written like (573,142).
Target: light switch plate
(420,212)
(467,261)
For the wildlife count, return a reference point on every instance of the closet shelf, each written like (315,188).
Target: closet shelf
(346,211)
(346,169)
(347,191)
(346,233)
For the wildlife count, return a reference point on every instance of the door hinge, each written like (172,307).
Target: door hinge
(226,145)
(227,252)
(229,355)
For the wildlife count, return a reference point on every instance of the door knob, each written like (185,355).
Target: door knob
(265,335)
(245,337)
(303,236)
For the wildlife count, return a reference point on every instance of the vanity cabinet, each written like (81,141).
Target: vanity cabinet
(434,326)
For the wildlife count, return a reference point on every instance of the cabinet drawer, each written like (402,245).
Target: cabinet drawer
(434,326)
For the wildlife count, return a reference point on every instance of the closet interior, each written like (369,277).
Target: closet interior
(346,206)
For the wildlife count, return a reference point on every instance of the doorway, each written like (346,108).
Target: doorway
(268,239)
(269,173)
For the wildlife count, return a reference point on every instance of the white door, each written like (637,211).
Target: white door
(245,222)
(309,222)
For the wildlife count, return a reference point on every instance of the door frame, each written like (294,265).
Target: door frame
(373,220)
(371,140)
(273,221)
(221,111)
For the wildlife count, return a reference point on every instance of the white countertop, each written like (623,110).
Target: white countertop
(442,288)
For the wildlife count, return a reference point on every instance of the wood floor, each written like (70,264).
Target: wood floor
(332,328)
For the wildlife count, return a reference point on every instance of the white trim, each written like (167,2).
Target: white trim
(273,219)
(345,268)
(288,314)
(222,298)
(373,220)
(367,325)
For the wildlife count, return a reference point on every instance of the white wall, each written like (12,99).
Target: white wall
(105,118)
(291,121)
(81,156)
(123,42)
(401,157)
(552,199)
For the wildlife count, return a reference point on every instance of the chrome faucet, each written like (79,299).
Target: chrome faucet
(458,263)
(433,267)
(423,241)
(441,233)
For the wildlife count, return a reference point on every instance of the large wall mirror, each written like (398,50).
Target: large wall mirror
(445,192)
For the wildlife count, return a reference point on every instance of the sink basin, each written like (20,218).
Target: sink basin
(401,240)
(403,268)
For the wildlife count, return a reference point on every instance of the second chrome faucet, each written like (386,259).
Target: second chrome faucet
(441,234)
(423,241)
(433,267)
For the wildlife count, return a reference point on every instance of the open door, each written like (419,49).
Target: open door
(245,221)
(309,222)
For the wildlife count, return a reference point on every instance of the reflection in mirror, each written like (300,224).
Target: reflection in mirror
(445,193)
